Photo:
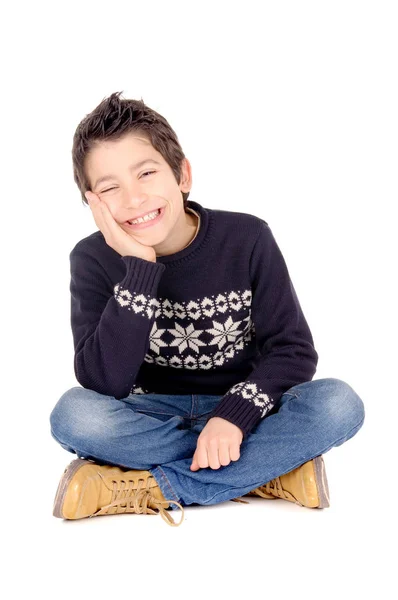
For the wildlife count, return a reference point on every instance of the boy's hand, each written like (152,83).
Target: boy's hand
(114,235)
(218,443)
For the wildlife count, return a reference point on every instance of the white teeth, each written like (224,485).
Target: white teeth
(147,217)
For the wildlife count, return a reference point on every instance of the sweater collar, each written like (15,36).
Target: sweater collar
(197,243)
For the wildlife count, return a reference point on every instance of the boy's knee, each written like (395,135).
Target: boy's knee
(343,405)
(68,412)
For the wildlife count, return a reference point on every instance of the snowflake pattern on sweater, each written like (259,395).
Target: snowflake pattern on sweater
(229,334)
(190,324)
(230,331)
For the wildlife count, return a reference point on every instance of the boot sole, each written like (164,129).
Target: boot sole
(321,482)
(69,472)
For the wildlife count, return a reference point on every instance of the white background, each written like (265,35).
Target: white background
(286,110)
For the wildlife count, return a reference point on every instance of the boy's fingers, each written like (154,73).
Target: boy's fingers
(224,453)
(234,452)
(202,458)
(96,211)
(194,465)
(90,197)
(213,460)
(103,218)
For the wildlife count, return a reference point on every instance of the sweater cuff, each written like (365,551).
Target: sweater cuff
(137,292)
(142,275)
(242,407)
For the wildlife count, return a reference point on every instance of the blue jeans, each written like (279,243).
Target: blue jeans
(159,433)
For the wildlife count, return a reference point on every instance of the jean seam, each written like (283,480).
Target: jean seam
(167,483)
(202,417)
(57,438)
(193,407)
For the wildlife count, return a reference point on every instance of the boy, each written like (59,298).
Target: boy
(193,353)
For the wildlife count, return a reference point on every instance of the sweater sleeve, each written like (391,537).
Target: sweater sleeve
(286,353)
(111,323)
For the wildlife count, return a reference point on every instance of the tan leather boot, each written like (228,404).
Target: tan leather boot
(90,489)
(306,485)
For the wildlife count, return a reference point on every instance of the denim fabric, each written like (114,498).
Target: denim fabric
(159,433)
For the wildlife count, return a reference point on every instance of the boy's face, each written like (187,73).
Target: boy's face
(133,191)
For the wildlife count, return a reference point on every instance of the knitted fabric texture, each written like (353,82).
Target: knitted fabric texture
(219,317)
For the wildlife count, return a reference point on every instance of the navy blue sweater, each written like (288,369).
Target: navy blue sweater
(220,317)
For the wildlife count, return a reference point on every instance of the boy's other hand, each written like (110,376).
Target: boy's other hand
(114,235)
(218,443)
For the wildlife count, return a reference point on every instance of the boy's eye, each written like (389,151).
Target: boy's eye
(113,188)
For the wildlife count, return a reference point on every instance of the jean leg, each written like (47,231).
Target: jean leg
(118,432)
(312,417)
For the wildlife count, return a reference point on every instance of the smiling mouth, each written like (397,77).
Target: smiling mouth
(150,212)
(147,222)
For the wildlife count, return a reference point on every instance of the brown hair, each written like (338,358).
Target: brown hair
(115,117)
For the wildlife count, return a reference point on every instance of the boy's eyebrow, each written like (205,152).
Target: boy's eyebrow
(132,168)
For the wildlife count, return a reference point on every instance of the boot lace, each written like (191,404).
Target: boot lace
(271,490)
(275,488)
(132,497)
